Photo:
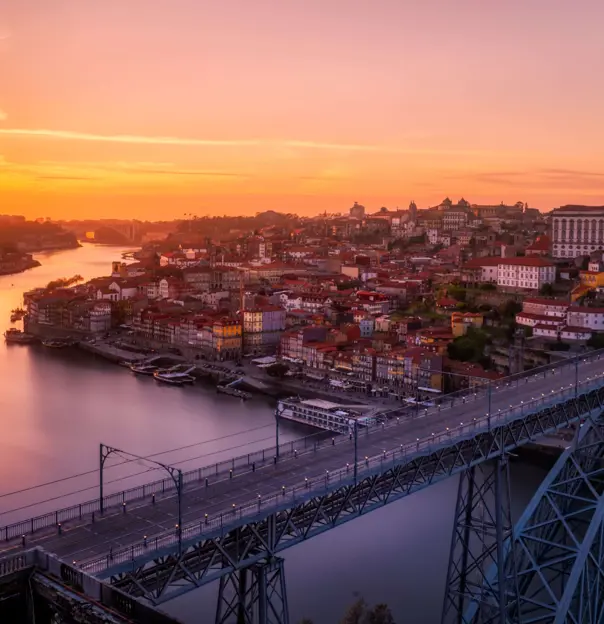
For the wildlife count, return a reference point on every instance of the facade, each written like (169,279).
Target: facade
(525,273)
(577,230)
(588,318)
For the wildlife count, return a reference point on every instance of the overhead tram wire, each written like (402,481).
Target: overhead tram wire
(140,459)
(94,487)
(180,448)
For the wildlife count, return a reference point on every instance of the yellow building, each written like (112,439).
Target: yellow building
(589,280)
(226,339)
(461,321)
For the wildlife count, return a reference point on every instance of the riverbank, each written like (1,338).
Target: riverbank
(19,266)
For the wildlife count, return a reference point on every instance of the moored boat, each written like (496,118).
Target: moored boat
(143,369)
(56,344)
(18,337)
(178,375)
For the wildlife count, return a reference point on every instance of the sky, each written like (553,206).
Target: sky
(159,108)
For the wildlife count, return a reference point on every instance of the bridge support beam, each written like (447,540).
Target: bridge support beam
(482,528)
(254,595)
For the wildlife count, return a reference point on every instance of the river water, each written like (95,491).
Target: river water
(56,406)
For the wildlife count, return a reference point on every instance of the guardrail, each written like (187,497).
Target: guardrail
(257,459)
(334,479)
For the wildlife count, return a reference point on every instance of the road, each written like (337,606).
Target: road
(84,539)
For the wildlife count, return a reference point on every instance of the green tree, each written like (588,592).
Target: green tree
(459,294)
(278,369)
(596,341)
(547,290)
(511,308)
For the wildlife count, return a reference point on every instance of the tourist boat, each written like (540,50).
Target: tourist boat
(143,369)
(178,375)
(17,336)
(56,344)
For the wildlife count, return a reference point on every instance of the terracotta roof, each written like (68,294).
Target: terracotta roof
(548,302)
(585,310)
(526,261)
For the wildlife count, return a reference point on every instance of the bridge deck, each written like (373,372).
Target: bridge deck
(83,539)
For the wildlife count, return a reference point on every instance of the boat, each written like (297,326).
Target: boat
(17,336)
(240,394)
(178,375)
(143,369)
(56,344)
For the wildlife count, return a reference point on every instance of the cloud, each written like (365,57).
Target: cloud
(181,172)
(122,138)
(69,178)
(69,135)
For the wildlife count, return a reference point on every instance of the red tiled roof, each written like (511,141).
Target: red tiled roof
(548,302)
(526,261)
(585,310)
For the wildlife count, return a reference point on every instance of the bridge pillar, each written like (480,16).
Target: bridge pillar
(482,528)
(254,595)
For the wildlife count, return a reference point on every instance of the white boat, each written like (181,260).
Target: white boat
(143,369)
(177,375)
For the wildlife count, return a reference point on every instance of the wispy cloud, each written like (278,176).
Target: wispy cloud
(65,178)
(122,138)
(69,135)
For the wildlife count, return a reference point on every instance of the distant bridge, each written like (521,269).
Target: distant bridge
(230,521)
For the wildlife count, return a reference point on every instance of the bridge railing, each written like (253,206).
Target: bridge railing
(250,461)
(331,480)
(288,450)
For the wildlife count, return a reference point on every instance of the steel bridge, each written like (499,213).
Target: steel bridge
(233,525)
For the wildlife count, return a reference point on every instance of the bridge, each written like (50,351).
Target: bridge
(230,521)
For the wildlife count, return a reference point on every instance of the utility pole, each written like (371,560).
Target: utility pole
(356,449)
(490,391)
(277,417)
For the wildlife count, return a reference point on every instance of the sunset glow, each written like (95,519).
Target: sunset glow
(150,109)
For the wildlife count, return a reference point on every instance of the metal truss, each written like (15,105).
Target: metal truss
(482,526)
(557,553)
(163,574)
(254,595)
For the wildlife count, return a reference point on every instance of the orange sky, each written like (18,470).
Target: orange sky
(151,109)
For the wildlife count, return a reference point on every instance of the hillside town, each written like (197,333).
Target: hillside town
(394,300)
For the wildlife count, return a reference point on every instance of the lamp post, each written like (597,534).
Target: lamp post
(175,475)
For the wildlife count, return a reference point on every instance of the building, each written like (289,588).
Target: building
(577,230)
(226,339)
(462,321)
(586,318)
(546,307)
(528,273)
(357,211)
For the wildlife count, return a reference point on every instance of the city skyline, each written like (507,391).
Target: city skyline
(151,111)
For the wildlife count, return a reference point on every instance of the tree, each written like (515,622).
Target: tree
(459,294)
(547,290)
(596,341)
(360,613)
(278,369)
(511,308)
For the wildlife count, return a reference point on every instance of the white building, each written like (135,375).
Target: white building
(577,230)
(589,318)
(526,273)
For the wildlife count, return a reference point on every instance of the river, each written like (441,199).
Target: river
(56,406)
